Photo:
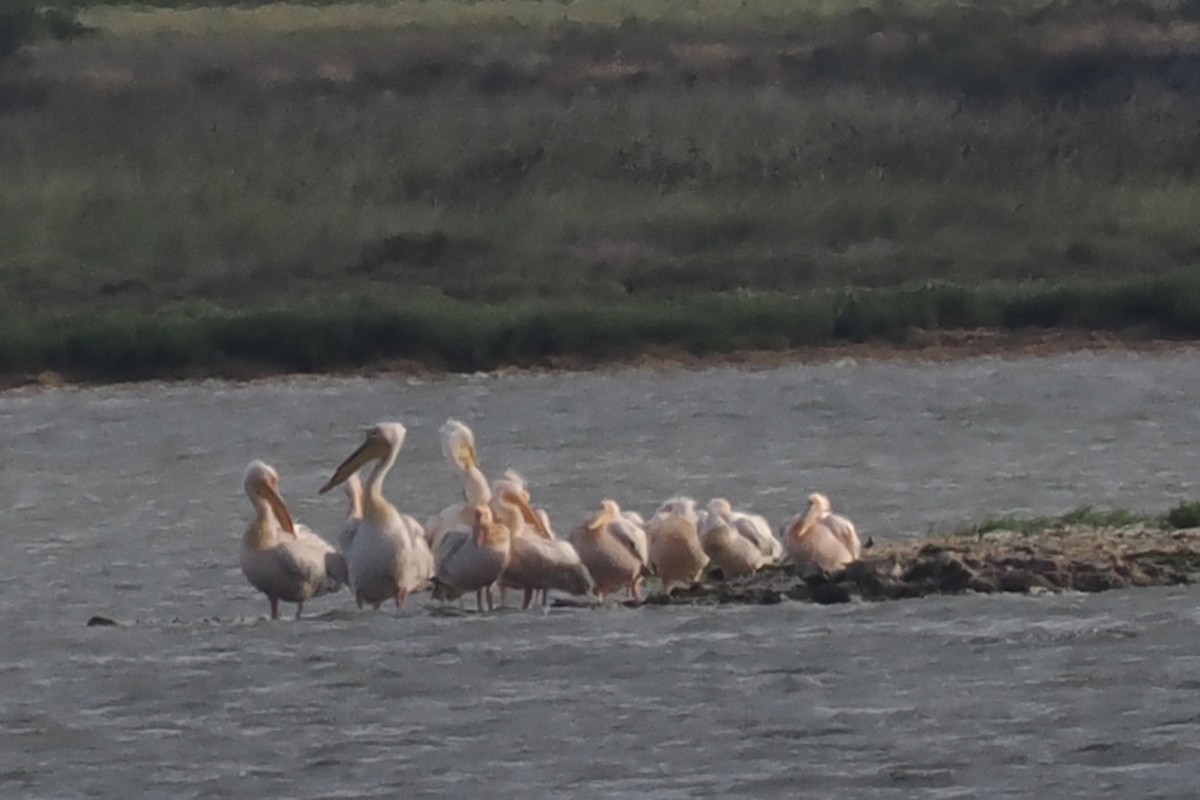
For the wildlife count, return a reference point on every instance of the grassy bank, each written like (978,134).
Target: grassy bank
(498,173)
(355,331)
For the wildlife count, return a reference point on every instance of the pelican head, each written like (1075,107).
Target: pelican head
(720,507)
(382,440)
(818,504)
(458,445)
(511,484)
(261,482)
(681,505)
(609,511)
(516,478)
(520,498)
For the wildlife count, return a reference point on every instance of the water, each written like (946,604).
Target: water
(127,502)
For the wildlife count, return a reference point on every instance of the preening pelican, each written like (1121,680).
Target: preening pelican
(811,543)
(613,549)
(383,558)
(281,559)
(735,554)
(472,560)
(674,549)
(458,446)
(752,526)
(538,561)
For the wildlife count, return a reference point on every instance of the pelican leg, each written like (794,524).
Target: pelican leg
(503,596)
(479,600)
(545,597)
(491,600)
(401,596)
(358,598)
(299,608)
(526,600)
(274,607)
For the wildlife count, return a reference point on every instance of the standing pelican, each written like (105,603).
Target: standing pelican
(383,558)
(538,561)
(674,549)
(735,554)
(811,543)
(458,446)
(752,526)
(472,560)
(281,559)
(613,549)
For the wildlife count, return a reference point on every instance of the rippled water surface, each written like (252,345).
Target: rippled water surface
(127,502)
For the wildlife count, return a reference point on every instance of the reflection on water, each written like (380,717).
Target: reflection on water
(127,502)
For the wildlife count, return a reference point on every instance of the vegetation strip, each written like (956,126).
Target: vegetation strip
(353,332)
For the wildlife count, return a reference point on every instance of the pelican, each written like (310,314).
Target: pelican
(281,559)
(458,446)
(675,552)
(384,558)
(842,528)
(512,492)
(538,561)
(472,560)
(752,526)
(354,499)
(613,549)
(811,542)
(735,554)
(683,506)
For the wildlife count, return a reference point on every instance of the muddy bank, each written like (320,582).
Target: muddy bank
(1060,560)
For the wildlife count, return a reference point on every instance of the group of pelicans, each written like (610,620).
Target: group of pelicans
(496,537)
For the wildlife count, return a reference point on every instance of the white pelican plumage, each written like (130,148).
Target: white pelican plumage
(458,446)
(472,559)
(613,549)
(676,555)
(538,561)
(682,505)
(734,553)
(281,559)
(385,558)
(752,526)
(811,542)
(842,528)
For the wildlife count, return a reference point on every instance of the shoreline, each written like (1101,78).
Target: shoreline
(1078,559)
(921,346)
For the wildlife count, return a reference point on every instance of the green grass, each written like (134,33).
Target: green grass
(1185,514)
(350,330)
(1083,516)
(883,166)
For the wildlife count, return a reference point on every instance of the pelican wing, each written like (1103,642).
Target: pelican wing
(452,543)
(758,532)
(845,532)
(632,538)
